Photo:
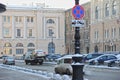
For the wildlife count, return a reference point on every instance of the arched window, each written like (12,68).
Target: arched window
(50,21)
(114,7)
(31,45)
(19,45)
(7,48)
(19,48)
(7,45)
(107,10)
(96,12)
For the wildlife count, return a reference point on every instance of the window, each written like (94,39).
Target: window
(19,45)
(6,32)
(7,45)
(31,45)
(51,32)
(6,19)
(107,10)
(50,21)
(30,32)
(106,35)
(113,32)
(20,48)
(114,8)
(18,32)
(96,34)
(18,19)
(96,12)
(19,51)
(30,19)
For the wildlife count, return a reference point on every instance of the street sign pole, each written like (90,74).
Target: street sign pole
(78,13)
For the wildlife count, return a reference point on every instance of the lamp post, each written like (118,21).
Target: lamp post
(77,59)
(2,8)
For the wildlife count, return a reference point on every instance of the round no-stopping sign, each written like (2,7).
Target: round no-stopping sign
(78,12)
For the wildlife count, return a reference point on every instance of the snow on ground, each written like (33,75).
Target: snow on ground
(43,74)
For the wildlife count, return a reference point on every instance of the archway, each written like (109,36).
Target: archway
(51,48)
(96,48)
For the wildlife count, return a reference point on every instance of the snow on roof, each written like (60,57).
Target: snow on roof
(70,56)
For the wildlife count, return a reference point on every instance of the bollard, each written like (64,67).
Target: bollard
(77,66)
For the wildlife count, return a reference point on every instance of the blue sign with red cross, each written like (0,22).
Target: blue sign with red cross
(78,12)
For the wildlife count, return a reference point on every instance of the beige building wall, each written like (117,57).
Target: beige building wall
(105,25)
(33,23)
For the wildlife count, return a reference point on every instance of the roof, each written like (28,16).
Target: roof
(70,56)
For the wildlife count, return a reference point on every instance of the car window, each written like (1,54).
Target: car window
(89,56)
(60,61)
(68,61)
(103,57)
(111,57)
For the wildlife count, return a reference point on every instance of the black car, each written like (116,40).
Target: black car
(102,58)
(52,57)
(91,56)
(113,62)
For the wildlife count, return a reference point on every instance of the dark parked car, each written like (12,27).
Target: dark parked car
(101,59)
(91,56)
(52,57)
(1,57)
(113,62)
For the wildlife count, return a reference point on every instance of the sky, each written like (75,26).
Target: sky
(50,3)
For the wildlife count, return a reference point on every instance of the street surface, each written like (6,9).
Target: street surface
(99,74)
(44,67)
(90,74)
(6,74)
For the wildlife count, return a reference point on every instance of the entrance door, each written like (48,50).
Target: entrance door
(51,48)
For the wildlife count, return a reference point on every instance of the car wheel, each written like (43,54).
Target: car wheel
(68,71)
(111,64)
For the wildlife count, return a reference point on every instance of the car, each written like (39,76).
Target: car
(91,56)
(101,59)
(1,57)
(52,57)
(113,62)
(64,65)
(9,60)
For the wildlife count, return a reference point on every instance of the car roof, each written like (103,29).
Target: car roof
(70,56)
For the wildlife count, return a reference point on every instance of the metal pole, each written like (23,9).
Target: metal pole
(77,69)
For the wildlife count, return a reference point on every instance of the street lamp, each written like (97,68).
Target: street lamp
(2,8)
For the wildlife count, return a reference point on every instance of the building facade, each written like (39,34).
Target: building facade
(84,31)
(25,29)
(105,26)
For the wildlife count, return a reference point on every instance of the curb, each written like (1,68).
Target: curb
(102,68)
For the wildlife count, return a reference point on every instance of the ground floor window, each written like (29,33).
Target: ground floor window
(7,51)
(30,50)
(19,51)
